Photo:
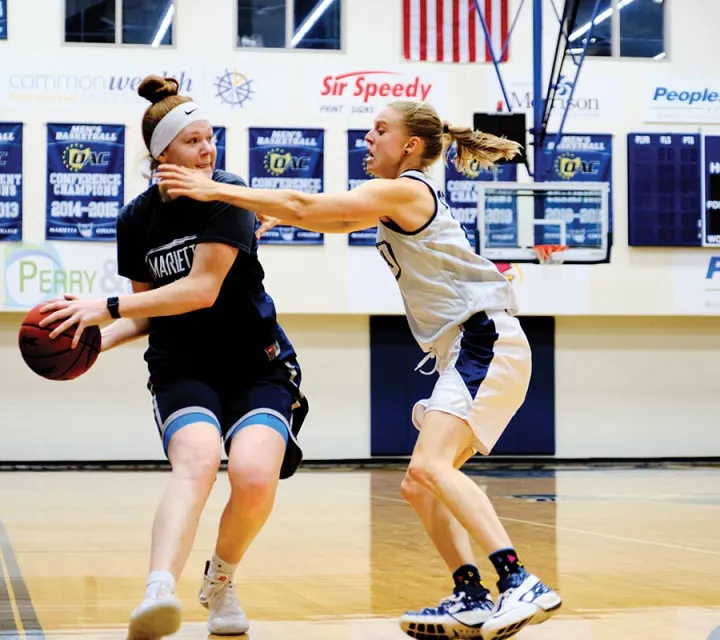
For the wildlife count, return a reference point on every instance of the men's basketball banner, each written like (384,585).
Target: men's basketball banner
(3,20)
(579,157)
(288,159)
(451,30)
(501,211)
(11,181)
(357,174)
(85,181)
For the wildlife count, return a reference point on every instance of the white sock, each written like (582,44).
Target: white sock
(155,578)
(220,570)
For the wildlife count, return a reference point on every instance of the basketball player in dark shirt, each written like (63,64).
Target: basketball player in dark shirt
(220,366)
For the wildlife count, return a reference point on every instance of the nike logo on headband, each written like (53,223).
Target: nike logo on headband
(187,113)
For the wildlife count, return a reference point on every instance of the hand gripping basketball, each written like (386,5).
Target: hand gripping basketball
(57,358)
(72,311)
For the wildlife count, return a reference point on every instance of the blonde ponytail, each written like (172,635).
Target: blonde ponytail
(483,148)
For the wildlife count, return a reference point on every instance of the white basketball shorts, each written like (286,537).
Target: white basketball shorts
(484,372)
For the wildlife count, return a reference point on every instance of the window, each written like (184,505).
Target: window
(90,21)
(292,24)
(261,23)
(642,29)
(147,22)
(623,28)
(120,21)
(601,36)
(316,24)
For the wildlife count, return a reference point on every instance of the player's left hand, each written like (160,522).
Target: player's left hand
(83,313)
(181,181)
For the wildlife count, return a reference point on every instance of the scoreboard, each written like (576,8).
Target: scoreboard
(673,190)
(711,224)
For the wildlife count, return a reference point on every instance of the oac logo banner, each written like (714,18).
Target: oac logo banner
(288,159)
(579,157)
(85,181)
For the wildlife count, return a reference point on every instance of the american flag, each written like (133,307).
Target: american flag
(451,31)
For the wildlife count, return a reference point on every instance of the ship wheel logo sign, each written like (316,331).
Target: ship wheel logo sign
(234,88)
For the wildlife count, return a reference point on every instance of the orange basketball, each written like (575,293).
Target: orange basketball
(56,359)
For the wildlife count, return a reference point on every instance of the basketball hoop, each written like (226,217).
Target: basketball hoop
(550,253)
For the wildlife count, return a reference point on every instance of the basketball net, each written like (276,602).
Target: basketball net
(550,253)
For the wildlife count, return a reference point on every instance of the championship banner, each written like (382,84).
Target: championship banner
(3,20)
(11,181)
(357,174)
(287,159)
(85,181)
(461,194)
(579,158)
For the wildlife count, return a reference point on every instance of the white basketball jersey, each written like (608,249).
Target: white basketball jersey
(442,280)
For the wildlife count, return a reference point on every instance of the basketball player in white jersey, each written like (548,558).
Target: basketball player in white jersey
(461,311)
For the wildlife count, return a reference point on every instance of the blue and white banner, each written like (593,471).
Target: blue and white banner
(85,181)
(501,211)
(219,139)
(11,147)
(3,20)
(288,159)
(579,158)
(357,174)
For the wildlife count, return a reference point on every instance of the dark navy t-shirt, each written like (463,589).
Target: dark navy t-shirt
(156,243)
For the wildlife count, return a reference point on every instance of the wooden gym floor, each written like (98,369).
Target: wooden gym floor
(635,553)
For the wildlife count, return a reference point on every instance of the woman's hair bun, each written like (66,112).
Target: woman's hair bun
(157,88)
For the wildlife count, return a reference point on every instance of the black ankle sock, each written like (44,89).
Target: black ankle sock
(467,577)
(506,562)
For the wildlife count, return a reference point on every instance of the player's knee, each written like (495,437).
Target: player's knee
(425,472)
(412,491)
(253,485)
(200,467)
(195,459)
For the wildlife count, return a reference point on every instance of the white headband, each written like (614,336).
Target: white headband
(172,124)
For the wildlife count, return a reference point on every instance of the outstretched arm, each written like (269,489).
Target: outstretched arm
(356,209)
(268,222)
(333,227)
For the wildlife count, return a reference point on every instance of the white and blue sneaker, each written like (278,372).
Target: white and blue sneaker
(225,617)
(523,600)
(461,615)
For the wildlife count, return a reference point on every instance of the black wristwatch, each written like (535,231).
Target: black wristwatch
(113,305)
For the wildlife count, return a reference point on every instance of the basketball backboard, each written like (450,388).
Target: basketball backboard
(515,217)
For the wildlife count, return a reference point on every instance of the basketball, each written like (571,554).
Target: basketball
(56,359)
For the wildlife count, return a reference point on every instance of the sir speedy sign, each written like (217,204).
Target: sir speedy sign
(365,91)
